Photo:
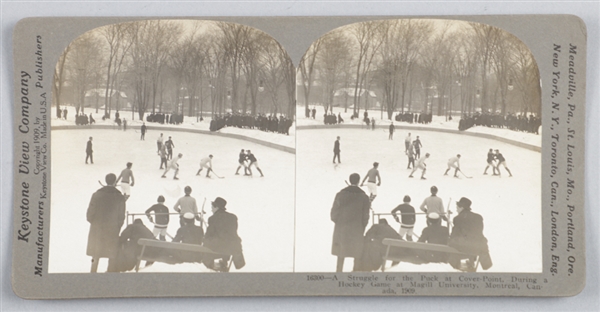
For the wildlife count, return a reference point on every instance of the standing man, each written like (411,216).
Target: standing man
(89,152)
(420,165)
(453,162)
(373,123)
(124,177)
(143,130)
(417,144)
(490,162)
(467,236)
(163,156)
(392,128)
(242,161)
(206,162)
(407,213)
(186,204)
(411,157)
(501,162)
(336,150)
(407,142)
(173,165)
(106,214)
(65,111)
(434,204)
(159,143)
(222,237)
(124,124)
(350,213)
(253,162)
(161,214)
(170,145)
(373,182)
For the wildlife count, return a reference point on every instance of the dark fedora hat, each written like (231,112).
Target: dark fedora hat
(219,202)
(464,203)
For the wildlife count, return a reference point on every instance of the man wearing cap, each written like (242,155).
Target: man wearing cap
(453,162)
(106,214)
(350,213)
(161,214)
(189,233)
(434,204)
(467,236)
(186,204)
(206,162)
(407,212)
(434,233)
(221,237)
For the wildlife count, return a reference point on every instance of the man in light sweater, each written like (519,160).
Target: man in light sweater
(186,204)
(434,204)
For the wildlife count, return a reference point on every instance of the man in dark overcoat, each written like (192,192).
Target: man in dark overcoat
(467,236)
(189,233)
(89,152)
(106,214)
(350,213)
(221,237)
(129,249)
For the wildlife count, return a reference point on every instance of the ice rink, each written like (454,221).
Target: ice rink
(264,206)
(510,207)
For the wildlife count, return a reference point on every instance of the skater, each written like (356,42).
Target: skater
(453,162)
(161,214)
(222,237)
(434,204)
(206,162)
(417,144)
(163,156)
(89,152)
(173,165)
(434,233)
(186,204)
(106,215)
(143,130)
(420,165)
(65,113)
(170,145)
(124,124)
(253,162)
(501,162)
(350,213)
(491,157)
(411,157)
(336,150)
(373,123)
(92,120)
(124,177)
(159,143)
(392,128)
(189,233)
(407,213)
(407,142)
(373,182)
(242,161)
(467,236)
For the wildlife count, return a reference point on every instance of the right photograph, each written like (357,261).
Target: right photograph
(418,149)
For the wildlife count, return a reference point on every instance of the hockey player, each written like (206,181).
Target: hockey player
(170,145)
(453,163)
(411,157)
(253,162)
(124,177)
(161,214)
(501,162)
(407,213)
(407,142)
(417,144)
(420,165)
(336,150)
(159,143)
(143,130)
(206,162)
(173,165)
(89,152)
(373,182)
(163,156)
(392,128)
(490,162)
(242,161)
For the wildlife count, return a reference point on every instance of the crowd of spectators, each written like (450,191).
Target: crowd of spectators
(270,123)
(162,118)
(516,122)
(423,118)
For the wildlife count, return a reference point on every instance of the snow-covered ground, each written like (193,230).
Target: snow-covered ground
(511,207)
(264,206)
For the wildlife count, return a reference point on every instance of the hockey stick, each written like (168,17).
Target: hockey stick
(202,214)
(216,174)
(465,174)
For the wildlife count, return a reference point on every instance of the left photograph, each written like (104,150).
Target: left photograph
(173,150)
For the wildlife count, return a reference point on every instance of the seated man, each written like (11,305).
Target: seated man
(434,233)
(374,249)
(129,249)
(189,233)
(221,237)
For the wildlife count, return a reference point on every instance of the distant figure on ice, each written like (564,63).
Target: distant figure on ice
(350,213)
(340,119)
(434,233)
(336,150)
(501,162)
(411,157)
(186,204)
(159,143)
(434,204)
(173,165)
(161,220)
(420,165)
(65,111)
(89,152)
(206,162)
(143,130)
(392,129)
(253,162)
(373,123)
(170,145)
(124,124)
(453,162)
(163,156)
(314,113)
(467,236)
(124,177)
(407,213)
(417,144)
(106,215)
(373,182)
(222,237)
(491,157)
(92,120)
(189,233)
(407,142)
(242,161)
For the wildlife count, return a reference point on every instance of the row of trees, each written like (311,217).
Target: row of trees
(422,66)
(188,66)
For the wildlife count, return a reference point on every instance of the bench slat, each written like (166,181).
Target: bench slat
(421,246)
(176,246)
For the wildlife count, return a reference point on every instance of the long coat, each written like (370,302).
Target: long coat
(350,213)
(467,236)
(221,234)
(106,214)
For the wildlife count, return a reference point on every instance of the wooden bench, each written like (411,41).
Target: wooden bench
(144,242)
(420,246)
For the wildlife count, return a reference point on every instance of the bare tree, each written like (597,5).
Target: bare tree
(332,57)
(59,79)
(487,38)
(307,69)
(82,63)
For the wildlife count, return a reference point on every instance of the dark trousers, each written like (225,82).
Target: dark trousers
(90,156)
(336,155)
